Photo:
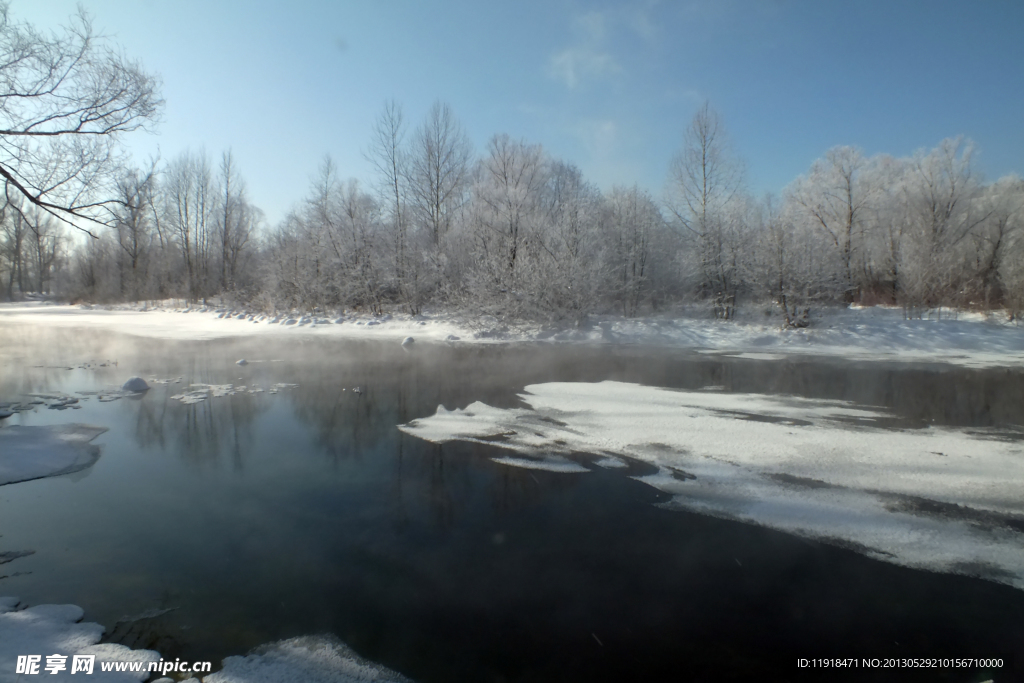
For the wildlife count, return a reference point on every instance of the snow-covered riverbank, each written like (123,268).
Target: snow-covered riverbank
(972,339)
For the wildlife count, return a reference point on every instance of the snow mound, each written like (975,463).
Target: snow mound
(57,629)
(943,499)
(135,384)
(47,451)
(309,659)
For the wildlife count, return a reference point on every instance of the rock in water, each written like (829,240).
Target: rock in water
(242,362)
(408,341)
(136,385)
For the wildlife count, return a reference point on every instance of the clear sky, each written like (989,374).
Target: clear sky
(609,86)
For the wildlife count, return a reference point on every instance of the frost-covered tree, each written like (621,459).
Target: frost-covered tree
(388,155)
(439,175)
(787,264)
(704,191)
(439,172)
(942,210)
(508,212)
(634,224)
(837,197)
(570,246)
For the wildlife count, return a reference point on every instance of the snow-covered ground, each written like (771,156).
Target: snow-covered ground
(973,339)
(943,499)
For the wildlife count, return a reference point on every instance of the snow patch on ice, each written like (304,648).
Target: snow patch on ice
(57,629)
(752,355)
(309,659)
(552,463)
(610,463)
(46,451)
(942,499)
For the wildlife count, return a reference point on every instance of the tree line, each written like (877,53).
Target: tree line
(509,231)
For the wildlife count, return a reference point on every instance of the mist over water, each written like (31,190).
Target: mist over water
(254,517)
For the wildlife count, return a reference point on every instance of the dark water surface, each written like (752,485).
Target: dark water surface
(256,517)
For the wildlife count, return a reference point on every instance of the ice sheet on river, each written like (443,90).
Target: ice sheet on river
(46,451)
(935,498)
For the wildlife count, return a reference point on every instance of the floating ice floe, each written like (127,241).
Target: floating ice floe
(46,451)
(241,361)
(200,392)
(51,401)
(942,499)
(408,341)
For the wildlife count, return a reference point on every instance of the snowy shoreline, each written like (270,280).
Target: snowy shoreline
(866,334)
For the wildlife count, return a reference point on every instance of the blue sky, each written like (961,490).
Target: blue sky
(608,86)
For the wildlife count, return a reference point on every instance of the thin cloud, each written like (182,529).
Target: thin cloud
(587,58)
(639,20)
(599,136)
(575,64)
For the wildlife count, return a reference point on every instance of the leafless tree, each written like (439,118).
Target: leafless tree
(996,242)
(14,239)
(634,221)
(190,205)
(134,227)
(942,211)
(509,199)
(66,98)
(236,220)
(388,157)
(787,263)
(704,185)
(569,245)
(439,170)
(836,199)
